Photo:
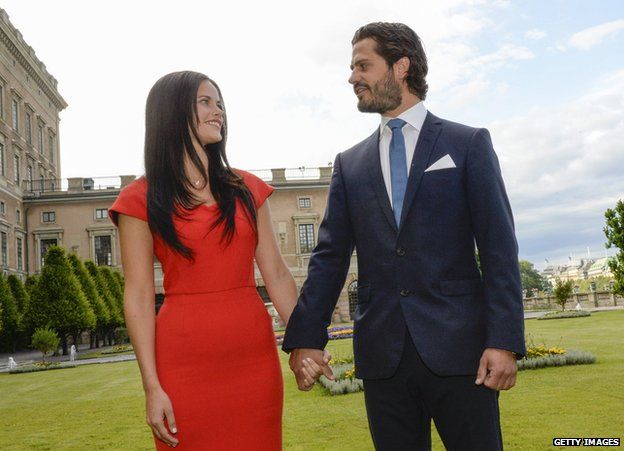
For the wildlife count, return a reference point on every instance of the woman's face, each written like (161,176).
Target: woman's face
(209,114)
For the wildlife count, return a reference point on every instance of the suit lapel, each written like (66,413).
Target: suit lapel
(373,163)
(424,147)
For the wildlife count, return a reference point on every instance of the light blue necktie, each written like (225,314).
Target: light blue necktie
(398,167)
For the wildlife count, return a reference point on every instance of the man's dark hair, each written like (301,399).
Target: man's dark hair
(394,41)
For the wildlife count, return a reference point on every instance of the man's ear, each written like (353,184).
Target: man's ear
(401,68)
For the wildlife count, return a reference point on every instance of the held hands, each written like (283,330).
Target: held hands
(497,369)
(158,407)
(308,365)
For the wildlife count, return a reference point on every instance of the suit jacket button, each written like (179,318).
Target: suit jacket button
(400,252)
(404,293)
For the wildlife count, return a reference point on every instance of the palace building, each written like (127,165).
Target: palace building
(39,209)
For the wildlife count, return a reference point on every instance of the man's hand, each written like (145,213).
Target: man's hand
(497,369)
(308,365)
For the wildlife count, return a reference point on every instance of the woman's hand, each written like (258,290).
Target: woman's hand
(158,407)
(312,371)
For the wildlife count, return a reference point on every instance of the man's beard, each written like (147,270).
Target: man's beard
(385,96)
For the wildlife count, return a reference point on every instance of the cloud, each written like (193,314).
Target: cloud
(563,168)
(535,34)
(504,54)
(590,37)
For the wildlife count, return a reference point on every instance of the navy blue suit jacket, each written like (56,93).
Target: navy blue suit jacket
(422,274)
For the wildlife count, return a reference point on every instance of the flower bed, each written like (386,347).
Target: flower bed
(117,349)
(565,314)
(39,366)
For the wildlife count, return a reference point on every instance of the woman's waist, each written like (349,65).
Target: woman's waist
(206,295)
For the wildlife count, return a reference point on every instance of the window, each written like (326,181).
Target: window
(101,213)
(2,207)
(305,202)
(15,114)
(20,251)
(16,168)
(306,238)
(48,216)
(103,254)
(29,127)
(18,215)
(40,138)
(1,100)
(51,146)
(29,177)
(2,159)
(45,245)
(3,244)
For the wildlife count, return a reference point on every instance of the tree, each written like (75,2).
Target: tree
(119,278)
(113,285)
(31,282)
(19,293)
(102,313)
(57,300)
(9,317)
(21,301)
(45,340)
(108,298)
(530,277)
(562,292)
(614,231)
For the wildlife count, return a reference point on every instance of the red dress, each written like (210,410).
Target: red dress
(216,355)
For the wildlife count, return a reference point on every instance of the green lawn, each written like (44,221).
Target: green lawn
(101,406)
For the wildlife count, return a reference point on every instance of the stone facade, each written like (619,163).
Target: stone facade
(29,141)
(75,216)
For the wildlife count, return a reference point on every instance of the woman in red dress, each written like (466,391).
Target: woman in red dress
(208,360)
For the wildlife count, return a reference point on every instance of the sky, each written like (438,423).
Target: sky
(545,77)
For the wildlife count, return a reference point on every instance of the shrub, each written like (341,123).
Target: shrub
(45,340)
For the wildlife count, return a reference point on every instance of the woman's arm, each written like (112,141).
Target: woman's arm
(138,265)
(278,280)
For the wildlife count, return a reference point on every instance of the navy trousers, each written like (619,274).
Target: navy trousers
(400,409)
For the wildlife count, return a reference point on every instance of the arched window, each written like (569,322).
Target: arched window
(353,297)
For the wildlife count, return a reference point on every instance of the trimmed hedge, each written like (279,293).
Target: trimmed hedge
(565,314)
(47,367)
(571,357)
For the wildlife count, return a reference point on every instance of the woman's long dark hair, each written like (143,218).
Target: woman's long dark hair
(170,118)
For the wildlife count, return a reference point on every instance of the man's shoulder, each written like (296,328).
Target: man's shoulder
(359,147)
(457,128)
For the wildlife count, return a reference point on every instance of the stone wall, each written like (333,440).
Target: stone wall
(587,300)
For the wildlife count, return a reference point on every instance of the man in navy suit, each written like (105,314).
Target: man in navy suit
(437,330)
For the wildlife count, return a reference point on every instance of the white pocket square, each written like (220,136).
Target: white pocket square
(445,162)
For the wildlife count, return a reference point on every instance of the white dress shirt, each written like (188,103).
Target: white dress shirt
(414,118)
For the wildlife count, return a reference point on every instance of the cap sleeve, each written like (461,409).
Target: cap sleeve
(131,201)
(260,190)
